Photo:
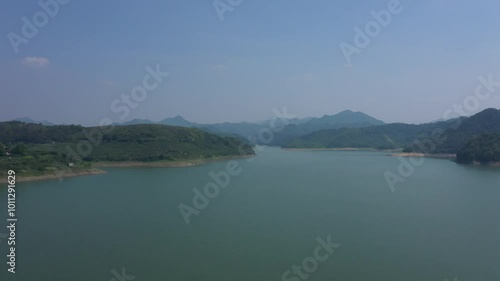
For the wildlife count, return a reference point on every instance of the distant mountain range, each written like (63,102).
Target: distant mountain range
(175,121)
(439,137)
(344,119)
(296,127)
(31,121)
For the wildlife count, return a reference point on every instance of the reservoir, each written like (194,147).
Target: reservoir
(442,222)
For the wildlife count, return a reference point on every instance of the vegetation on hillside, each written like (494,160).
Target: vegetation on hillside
(159,142)
(484,122)
(439,137)
(390,136)
(483,149)
(35,148)
(292,127)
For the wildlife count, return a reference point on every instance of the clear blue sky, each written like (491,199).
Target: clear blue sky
(263,55)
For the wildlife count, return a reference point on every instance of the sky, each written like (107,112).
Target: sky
(238,60)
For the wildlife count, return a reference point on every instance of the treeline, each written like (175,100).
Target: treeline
(15,131)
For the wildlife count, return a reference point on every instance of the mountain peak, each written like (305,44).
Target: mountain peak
(347,111)
(349,117)
(178,117)
(177,121)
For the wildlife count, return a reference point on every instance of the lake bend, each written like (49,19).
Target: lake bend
(281,215)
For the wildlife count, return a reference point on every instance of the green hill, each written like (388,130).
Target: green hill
(390,136)
(486,121)
(483,149)
(160,142)
(455,134)
(344,119)
(34,148)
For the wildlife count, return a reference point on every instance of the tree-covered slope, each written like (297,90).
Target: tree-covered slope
(390,136)
(159,142)
(34,147)
(483,149)
(344,119)
(453,135)
(294,127)
(486,121)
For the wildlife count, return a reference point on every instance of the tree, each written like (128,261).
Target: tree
(20,149)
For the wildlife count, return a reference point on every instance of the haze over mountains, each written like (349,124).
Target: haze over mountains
(29,120)
(472,138)
(349,129)
(292,127)
(439,137)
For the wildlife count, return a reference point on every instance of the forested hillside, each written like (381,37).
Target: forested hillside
(486,121)
(293,127)
(35,147)
(452,135)
(390,136)
(483,149)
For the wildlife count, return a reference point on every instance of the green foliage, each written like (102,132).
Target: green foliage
(389,136)
(20,149)
(37,163)
(483,149)
(486,121)
(408,149)
(38,148)
(15,132)
(158,142)
(440,137)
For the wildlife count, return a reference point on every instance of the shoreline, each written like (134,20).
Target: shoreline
(492,164)
(166,164)
(414,154)
(52,176)
(393,152)
(125,164)
(397,153)
(341,149)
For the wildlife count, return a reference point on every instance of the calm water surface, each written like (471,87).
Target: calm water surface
(441,223)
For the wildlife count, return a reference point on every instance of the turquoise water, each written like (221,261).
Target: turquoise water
(442,222)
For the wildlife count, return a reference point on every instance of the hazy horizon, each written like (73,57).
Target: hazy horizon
(282,110)
(228,67)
